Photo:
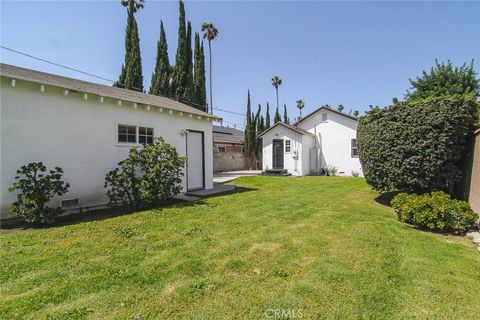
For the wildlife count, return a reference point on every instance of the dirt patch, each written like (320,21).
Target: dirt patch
(266,246)
(168,290)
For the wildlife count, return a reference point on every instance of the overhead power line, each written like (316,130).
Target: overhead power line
(56,64)
(228,111)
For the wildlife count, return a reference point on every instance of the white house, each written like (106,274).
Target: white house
(87,128)
(324,139)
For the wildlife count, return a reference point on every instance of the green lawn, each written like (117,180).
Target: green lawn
(319,247)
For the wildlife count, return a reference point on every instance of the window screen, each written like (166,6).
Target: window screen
(145,135)
(354,148)
(127,134)
(287,146)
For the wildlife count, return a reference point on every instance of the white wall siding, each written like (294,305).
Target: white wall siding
(293,164)
(307,145)
(80,136)
(334,139)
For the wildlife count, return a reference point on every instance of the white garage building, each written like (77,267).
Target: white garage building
(324,139)
(87,128)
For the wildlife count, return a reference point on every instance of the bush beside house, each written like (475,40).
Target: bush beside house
(434,211)
(150,173)
(416,145)
(36,187)
(420,146)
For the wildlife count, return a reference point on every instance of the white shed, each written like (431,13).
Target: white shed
(87,128)
(322,140)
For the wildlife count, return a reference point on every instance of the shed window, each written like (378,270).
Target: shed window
(354,148)
(127,134)
(287,146)
(221,149)
(145,135)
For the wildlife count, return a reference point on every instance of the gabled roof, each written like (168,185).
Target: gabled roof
(289,126)
(329,109)
(48,79)
(227,134)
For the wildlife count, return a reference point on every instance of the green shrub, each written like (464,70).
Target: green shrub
(149,174)
(435,211)
(36,189)
(416,146)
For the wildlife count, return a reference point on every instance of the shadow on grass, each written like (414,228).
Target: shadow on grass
(228,192)
(112,212)
(385,199)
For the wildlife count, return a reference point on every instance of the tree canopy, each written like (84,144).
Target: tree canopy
(445,79)
(131,74)
(160,84)
(277,117)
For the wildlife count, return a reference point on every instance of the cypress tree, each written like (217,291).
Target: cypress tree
(190,91)
(131,75)
(259,129)
(203,85)
(161,75)
(285,114)
(196,67)
(267,117)
(181,74)
(199,90)
(278,117)
(249,141)
(253,133)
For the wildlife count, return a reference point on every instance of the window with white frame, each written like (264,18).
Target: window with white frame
(288,146)
(354,148)
(127,134)
(131,134)
(221,149)
(145,135)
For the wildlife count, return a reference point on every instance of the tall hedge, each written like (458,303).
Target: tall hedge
(418,145)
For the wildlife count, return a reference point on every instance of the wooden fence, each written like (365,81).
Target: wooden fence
(474,187)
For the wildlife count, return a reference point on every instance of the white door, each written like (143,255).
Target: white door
(195,165)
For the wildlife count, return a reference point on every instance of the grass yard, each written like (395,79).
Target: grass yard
(316,247)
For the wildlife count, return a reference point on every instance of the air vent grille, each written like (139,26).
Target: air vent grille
(66,203)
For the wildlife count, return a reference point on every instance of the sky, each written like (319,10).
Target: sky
(352,53)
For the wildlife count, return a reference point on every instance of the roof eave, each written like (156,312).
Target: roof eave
(329,109)
(283,124)
(7,75)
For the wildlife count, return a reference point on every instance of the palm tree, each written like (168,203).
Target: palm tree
(136,4)
(210,33)
(356,113)
(340,107)
(300,105)
(276,82)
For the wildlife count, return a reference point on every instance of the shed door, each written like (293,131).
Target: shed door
(277,154)
(195,160)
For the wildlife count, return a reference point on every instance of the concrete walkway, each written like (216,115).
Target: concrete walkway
(226,176)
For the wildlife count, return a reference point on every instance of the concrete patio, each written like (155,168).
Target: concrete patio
(227,176)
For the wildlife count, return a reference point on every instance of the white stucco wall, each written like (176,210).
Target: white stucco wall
(293,164)
(307,145)
(79,136)
(334,138)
